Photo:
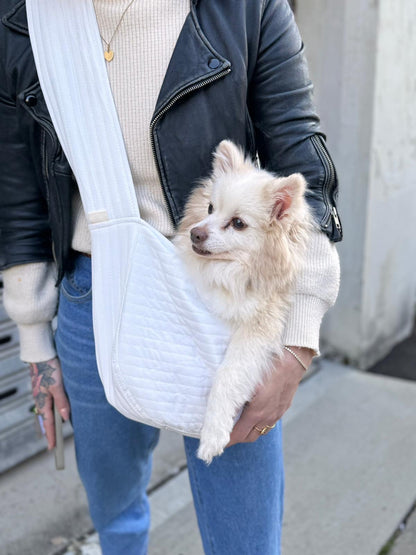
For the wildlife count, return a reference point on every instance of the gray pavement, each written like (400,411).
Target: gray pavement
(42,510)
(401,361)
(350,453)
(405,543)
(350,449)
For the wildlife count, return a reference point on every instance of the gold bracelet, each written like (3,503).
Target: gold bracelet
(296,357)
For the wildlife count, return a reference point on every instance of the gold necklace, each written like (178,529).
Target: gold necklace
(109,54)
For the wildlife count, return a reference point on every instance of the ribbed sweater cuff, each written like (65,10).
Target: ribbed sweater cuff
(304,322)
(36,342)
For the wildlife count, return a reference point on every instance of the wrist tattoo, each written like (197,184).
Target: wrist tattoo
(41,376)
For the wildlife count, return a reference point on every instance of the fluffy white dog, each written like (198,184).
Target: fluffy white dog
(243,239)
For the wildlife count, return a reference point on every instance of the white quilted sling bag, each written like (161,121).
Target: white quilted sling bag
(157,345)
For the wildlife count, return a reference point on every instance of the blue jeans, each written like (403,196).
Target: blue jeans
(238,498)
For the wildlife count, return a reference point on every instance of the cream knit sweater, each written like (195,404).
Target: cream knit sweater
(142,49)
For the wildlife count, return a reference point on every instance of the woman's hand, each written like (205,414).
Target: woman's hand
(47,389)
(272,398)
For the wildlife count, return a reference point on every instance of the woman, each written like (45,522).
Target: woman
(194,73)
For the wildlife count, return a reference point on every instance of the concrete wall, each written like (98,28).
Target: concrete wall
(362,55)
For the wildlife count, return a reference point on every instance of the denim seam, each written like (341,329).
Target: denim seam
(84,295)
(152,445)
(201,504)
(72,281)
(72,298)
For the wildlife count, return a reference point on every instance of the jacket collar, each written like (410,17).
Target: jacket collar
(16,18)
(191,62)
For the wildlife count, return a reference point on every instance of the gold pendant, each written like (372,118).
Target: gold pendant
(108,55)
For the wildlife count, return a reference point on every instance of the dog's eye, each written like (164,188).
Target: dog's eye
(210,208)
(238,224)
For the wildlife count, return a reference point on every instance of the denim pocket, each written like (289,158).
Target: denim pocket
(76,286)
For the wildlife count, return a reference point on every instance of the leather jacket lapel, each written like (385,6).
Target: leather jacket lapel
(193,60)
(16,18)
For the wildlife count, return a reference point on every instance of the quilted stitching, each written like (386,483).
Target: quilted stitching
(167,345)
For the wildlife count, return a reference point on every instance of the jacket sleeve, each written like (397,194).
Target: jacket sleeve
(30,295)
(24,227)
(289,139)
(280,100)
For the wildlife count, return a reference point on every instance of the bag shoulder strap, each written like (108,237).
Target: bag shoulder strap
(69,60)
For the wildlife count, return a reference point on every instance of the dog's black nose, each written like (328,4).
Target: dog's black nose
(198,234)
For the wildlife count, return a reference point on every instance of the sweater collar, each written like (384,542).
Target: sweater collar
(16,18)
(194,58)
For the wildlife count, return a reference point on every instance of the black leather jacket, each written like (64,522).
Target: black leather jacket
(238,71)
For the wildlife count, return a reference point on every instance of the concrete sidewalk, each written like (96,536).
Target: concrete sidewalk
(349,446)
(350,451)
(42,510)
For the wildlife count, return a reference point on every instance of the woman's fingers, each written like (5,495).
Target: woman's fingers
(46,413)
(58,392)
(244,426)
(272,398)
(47,388)
(255,433)
(61,401)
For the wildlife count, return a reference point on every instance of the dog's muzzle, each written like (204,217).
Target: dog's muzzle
(199,235)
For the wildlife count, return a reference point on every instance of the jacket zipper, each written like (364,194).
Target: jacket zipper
(45,125)
(330,173)
(49,128)
(45,168)
(251,138)
(336,219)
(162,112)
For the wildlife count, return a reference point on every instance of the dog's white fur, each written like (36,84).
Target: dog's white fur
(246,276)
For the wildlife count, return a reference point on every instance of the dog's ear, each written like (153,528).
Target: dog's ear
(286,192)
(227,156)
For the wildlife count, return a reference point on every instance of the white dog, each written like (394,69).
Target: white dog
(243,239)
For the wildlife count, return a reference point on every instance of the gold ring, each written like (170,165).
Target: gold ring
(263,431)
(35,410)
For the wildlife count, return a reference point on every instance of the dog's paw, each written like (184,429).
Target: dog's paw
(212,443)
(207,452)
